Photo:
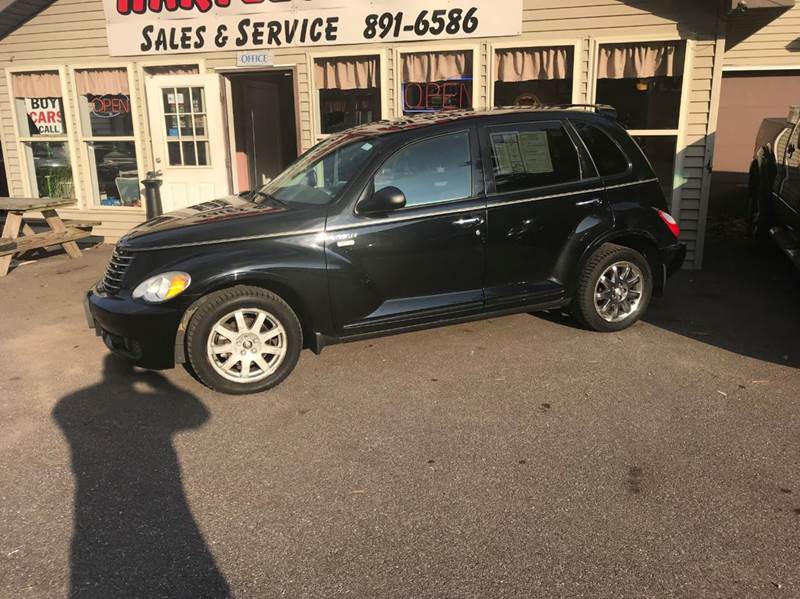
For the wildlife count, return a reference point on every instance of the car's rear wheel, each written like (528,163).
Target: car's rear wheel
(614,289)
(243,340)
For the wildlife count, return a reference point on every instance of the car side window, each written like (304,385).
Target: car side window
(431,171)
(530,155)
(790,190)
(607,156)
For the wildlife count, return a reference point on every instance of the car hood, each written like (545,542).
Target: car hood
(226,219)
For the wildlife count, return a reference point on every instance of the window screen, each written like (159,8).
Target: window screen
(527,156)
(607,156)
(430,171)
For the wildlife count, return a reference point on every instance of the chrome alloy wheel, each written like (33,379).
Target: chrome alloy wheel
(246,346)
(619,291)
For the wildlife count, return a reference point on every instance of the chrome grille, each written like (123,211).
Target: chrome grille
(115,272)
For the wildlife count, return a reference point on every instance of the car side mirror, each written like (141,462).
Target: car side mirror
(382,201)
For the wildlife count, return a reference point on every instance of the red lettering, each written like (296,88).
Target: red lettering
(448,96)
(409,98)
(126,7)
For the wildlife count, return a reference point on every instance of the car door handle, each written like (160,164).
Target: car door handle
(592,202)
(468,222)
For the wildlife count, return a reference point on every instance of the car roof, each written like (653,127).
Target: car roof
(432,119)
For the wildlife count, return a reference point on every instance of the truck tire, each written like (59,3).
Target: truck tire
(760,204)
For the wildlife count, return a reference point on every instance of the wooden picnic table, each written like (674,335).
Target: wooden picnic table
(19,237)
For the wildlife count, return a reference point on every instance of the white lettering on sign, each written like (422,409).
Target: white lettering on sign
(45,114)
(264,58)
(144,27)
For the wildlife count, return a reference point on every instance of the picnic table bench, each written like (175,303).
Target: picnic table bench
(18,236)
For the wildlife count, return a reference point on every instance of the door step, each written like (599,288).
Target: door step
(789,242)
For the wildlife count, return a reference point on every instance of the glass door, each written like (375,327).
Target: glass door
(189,146)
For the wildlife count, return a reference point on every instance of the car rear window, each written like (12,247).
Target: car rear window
(607,156)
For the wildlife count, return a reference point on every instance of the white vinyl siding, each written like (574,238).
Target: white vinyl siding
(774,45)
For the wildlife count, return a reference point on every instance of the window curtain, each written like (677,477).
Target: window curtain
(102,82)
(346,73)
(640,61)
(531,64)
(178,69)
(422,67)
(36,85)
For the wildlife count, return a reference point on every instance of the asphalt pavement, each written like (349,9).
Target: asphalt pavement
(514,457)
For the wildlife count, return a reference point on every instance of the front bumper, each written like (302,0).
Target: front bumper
(143,334)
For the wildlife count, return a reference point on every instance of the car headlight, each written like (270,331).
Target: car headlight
(163,287)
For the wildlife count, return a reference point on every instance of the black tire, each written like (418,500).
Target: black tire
(606,256)
(222,303)
(759,209)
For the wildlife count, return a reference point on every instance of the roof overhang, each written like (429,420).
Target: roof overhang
(14,13)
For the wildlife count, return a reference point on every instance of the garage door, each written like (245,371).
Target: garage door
(747,99)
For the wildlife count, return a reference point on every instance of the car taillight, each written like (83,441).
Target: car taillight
(671,223)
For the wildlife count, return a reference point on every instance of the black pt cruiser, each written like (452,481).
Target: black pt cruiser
(391,227)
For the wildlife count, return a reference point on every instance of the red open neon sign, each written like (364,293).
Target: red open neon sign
(108,107)
(433,96)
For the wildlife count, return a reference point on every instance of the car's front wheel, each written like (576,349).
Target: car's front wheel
(243,340)
(614,289)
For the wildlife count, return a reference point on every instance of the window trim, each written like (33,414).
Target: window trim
(491,187)
(577,46)
(474,173)
(88,201)
(316,105)
(417,48)
(23,140)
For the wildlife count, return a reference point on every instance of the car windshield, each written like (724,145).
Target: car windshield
(319,175)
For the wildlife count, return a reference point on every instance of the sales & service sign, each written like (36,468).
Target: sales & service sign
(153,27)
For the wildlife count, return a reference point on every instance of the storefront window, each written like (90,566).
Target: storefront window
(104,105)
(435,81)
(533,76)
(660,151)
(644,82)
(50,168)
(349,92)
(185,122)
(40,116)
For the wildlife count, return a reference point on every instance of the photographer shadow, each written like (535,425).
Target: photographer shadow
(134,533)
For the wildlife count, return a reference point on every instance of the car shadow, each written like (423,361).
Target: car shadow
(134,533)
(742,302)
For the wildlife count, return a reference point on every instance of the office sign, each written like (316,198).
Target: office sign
(155,27)
(255,58)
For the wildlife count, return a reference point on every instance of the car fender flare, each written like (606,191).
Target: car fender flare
(265,280)
(644,239)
